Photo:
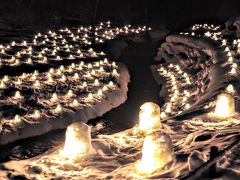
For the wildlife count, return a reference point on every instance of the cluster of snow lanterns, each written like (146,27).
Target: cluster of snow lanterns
(61,44)
(231,47)
(157,151)
(157,147)
(225,104)
(177,81)
(78,85)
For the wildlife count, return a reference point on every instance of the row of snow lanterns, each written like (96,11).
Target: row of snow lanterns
(59,39)
(216,35)
(99,36)
(35,78)
(174,85)
(42,56)
(205,26)
(212,31)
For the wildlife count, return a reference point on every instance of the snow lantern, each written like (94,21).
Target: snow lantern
(157,153)
(225,106)
(78,140)
(149,117)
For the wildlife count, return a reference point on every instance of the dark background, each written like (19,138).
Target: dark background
(175,14)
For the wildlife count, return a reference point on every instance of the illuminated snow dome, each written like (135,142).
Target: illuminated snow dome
(78,140)
(149,117)
(157,153)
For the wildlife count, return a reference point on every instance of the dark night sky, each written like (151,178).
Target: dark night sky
(174,13)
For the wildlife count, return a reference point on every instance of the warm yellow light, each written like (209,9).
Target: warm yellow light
(157,153)
(18,95)
(78,140)
(64,78)
(54,97)
(75,103)
(58,109)
(17,119)
(96,82)
(2,85)
(50,80)
(70,93)
(37,84)
(36,114)
(5,78)
(225,106)
(230,89)
(149,117)
(100,93)
(76,76)
(19,82)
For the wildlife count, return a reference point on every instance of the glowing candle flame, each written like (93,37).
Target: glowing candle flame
(51,70)
(76,76)
(64,78)
(93,72)
(230,89)
(70,93)
(233,71)
(225,106)
(89,66)
(111,84)
(96,82)
(37,84)
(23,76)
(62,68)
(101,69)
(100,93)
(84,84)
(105,60)
(50,80)
(58,108)
(19,82)
(17,119)
(115,73)
(54,97)
(105,88)
(75,103)
(2,85)
(36,114)
(18,95)
(90,96)
(5,78)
